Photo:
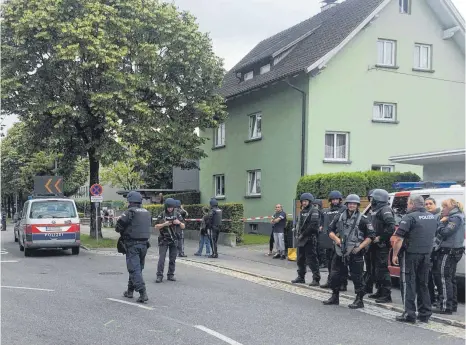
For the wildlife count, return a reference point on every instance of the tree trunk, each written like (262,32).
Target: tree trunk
(94,178)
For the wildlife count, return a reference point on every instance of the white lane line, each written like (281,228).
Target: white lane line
(130,303)
(25,288)
(217,335)
(108,323)
(3,252)
(9,261)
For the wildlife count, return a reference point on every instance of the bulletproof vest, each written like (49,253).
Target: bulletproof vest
(457,239)
(421,235)
(305,218)
(216,217)
(349,233)
(377,220)
(172,230)
(330,213)
(140,226)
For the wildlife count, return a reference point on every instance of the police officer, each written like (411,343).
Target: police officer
(307,231)
(180,234)
(383,222)
(416,230)
(169,223)
(369,258)
(134,226)
(320,249)
(335,199)
(214,220)
(449,250)
(352,233)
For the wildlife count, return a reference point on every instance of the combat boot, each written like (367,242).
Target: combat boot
(171,278)
(343,288)
(142,296)
(326,285)
(298,280)
(334,299)
(128,293)
(376,295)
(314,283)
(358,302)
(159,279)
(384,298)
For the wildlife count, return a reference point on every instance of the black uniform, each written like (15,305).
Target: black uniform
(134,225)
(214,220)
(308,230)
(383,222)
(180,233)
(168,241)
(370,259)
(417,228)
(352,229)
(450,239)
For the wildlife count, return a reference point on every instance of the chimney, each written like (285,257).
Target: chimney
(326,4)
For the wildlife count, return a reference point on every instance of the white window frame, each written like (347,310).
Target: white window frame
(383,60)
(405,4)
(254,132)
(385,106)
(219,135)
(248,75)
(252,175)
(335,134)
(383,168)
(418,51)
(264,69)
(219,179)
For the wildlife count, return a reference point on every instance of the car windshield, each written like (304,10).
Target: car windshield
(52,209)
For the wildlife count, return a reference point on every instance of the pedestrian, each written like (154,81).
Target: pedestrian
(214,221)
(370,258)
(203,238)
(352,232)
(448,252)
(184,214)
(431,207)
(278,229)
(307,231)
(335,198)
(383,221)
(134,227)
(416,232)
(169,221)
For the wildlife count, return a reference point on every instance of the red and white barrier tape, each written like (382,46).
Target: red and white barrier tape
(200,219)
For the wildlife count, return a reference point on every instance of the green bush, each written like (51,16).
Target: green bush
(81,214)
(188,198)
(84,206)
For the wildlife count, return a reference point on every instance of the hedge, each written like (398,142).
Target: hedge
(84,206)
(188,198)
(359,183)
(231,211)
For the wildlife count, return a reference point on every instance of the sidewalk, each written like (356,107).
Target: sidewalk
(252,259)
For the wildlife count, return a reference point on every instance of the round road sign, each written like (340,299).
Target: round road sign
(96,189)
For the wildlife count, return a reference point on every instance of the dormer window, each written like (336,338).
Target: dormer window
(265,69)
(248,75)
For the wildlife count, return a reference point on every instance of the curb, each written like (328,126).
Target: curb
(435,318)
(84,247)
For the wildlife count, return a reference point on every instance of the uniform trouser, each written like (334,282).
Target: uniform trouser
(431,283)
(414,280)
(322,252)
(279,240)
(382,274)
(213,240)
(172,253)
(339,272)
(369,275)
(445,278)
(181,242)
(307,256)
(135,259)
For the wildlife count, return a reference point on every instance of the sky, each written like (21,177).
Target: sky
(236,26)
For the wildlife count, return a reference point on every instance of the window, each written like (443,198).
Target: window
(405,6)
(219,135)
(386,51)
(255,126)
(384,112)
(336,146)
(265,69)
(219,185)
(422,56)
(248,75)
(254,182)
(52,209)
(383,168)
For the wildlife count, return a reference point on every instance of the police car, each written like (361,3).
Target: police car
(48,221)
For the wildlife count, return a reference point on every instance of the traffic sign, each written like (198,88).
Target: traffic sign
(48,185)
(96,189)
(97,198)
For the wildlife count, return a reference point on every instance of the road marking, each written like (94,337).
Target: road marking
(217,335)
(131,303)
(3,252)
(25,288)
(9,261)
(108,323)
(154,330)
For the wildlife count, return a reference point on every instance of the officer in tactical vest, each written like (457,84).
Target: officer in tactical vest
(449,248)
(369,257)
(416,234)
(180,234)
(307,232)
(383,222)
(335,199)
(352,233)
(169,224)
(134,226)
(213,222)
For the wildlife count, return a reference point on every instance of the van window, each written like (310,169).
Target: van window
(400,207)
(52,209)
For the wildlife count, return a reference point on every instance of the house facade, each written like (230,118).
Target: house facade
(347,90)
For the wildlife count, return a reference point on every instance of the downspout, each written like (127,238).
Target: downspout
(303,125)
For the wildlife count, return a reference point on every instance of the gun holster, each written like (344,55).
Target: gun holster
(121,246)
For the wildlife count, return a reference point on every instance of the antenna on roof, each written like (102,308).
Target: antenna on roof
(326,4)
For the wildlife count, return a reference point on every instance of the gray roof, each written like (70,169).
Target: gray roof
(309,40)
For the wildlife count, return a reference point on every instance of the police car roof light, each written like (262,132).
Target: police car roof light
(422,185)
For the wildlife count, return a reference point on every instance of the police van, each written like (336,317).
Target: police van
(48,221)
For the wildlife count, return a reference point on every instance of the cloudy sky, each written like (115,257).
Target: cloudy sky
(236,26)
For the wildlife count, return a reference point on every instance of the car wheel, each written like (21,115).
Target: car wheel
(27,252)
(75,250)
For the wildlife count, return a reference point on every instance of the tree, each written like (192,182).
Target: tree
(95,73)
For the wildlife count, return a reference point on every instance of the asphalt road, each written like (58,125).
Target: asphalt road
(81,304)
